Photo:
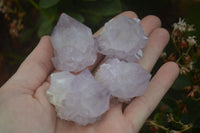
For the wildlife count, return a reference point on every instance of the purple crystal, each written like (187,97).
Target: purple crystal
(82,98)
(73,45)
(125,80)
(78,98)
(122,38)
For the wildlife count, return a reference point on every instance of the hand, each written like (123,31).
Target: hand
(24,107)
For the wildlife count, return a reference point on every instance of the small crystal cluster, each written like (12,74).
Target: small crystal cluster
(124,80)
(83,98)
(122,38)
(78,98)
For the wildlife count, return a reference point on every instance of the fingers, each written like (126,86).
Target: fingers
(113,121)
(114,111)
(158,38)
(156,43)
(141,107)
(100,57)
(150,23)
(40,95)
(35,69)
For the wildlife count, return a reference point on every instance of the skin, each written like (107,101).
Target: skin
(24,107)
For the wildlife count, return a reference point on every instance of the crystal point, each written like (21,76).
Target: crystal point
(73,45)
(122,38)
(125,80)
(78,98)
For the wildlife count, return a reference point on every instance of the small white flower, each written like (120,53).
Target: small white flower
(191,28)
(181,25)
(175,25)
(184,70)
(191,65)
(192,40)
(163,55)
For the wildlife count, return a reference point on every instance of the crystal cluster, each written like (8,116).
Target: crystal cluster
(83,98)
(122,38)
(78,98)
(124,80)
(73,45)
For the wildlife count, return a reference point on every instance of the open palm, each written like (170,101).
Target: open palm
(24,107)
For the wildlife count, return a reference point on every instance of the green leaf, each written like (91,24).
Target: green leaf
(13,58)
(103,8)
(77,16)
(93,19)
(171,102)
(45,28)
(26,35)
(159,117)
(46,23)
(194,17)
(48,3)
(88,0)
(144,7)
(181,82)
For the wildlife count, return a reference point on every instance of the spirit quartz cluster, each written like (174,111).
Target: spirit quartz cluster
(83,98)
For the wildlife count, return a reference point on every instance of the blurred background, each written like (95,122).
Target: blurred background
(23,22)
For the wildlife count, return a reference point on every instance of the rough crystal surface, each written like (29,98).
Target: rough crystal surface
(78,98)
(122,38)
(82,98)
(125,80)
(73,45)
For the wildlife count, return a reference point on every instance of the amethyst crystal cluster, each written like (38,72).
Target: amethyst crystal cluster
(83,98)
(122,38)
(78,98)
